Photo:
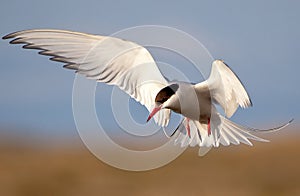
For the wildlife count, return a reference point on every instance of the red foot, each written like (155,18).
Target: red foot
(188,127)
(208,126)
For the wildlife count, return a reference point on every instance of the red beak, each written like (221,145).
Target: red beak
(154,111)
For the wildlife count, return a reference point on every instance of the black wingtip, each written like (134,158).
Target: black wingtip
(6,37)
(173,133)
(291,121)
(14,34)
(177,128)
(9,36)
(251,103)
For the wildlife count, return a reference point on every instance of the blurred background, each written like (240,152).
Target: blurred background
(42,154)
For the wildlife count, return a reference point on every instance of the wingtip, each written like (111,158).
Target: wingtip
(222,62)
(251,103)
(14,34)
(17,33)
(8,36)
(291,121)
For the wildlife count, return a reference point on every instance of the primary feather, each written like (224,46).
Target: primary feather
(105,59)
(226,89)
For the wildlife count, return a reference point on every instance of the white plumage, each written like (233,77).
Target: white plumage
(105,59)
(131,67)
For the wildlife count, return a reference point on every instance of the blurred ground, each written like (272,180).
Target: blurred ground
(69,169)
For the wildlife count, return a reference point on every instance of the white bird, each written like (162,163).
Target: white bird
(132,68)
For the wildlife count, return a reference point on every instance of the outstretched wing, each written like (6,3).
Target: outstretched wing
(105,59)
(226,89)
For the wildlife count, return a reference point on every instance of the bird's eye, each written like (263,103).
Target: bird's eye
(162,100)
(165,93)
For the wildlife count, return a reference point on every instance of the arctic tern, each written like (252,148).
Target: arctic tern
(132,68)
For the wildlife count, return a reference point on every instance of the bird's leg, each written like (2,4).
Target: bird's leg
(187,127)
(208,127)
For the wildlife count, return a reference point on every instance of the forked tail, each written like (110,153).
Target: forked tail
(223,131)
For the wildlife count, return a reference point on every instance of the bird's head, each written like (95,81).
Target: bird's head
(165,98)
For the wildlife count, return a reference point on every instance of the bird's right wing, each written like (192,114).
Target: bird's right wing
(226,89)
(105,59)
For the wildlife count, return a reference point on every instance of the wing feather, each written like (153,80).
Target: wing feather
(226,89)
(105,59)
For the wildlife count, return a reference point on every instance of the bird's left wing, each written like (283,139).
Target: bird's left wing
(225,88)
(105,59)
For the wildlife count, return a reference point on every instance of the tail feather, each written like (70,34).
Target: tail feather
(242,131)
(223,131)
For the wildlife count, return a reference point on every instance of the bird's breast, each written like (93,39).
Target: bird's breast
(192,104)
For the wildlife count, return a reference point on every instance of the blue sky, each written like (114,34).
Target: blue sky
(258,39)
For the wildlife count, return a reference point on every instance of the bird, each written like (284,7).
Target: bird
(132,68)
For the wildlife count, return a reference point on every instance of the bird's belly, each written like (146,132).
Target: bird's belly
(196,114)
(197,110)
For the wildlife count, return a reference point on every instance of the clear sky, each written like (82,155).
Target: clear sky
(258,39)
